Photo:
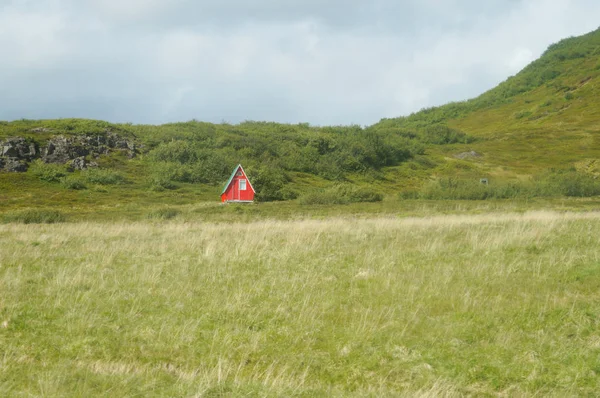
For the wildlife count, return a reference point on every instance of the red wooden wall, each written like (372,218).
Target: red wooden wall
(233,191)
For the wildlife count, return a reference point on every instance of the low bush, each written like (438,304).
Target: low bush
(160,184)
(460,189)
(34,216)
(553,183)
(165,213)
(270,183)
(440,134)
(102,177)
(523,114)
(47,171)
(569,182)
(73,182)
(322,198)
(341,194)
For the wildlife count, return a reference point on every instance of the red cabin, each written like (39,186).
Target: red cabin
(238,188)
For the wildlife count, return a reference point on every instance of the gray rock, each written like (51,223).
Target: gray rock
(81,163)
(467,155)
(19,148)
(78,164)
(41,130)
(16,152)
(61,149)
(14,165)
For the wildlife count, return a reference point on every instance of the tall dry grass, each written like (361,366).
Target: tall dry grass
(502,304)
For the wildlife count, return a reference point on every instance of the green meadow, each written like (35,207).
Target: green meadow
(492,304)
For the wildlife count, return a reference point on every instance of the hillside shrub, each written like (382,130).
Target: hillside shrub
(270,184)
(102,176)
(169,171)
(553,183)
(568,182)
(341,194)
(210,168)
(73,182)
(330,152)
(440,134)
(523,114)
(453,188)
(34,216)
(160,184)
(47,171)
(165,213)
(322,198)
(450,188)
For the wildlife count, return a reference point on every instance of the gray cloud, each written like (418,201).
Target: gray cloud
(335,62)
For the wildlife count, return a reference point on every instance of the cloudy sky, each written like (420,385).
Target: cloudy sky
(316,61)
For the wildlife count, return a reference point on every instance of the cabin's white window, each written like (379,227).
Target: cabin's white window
(242,185)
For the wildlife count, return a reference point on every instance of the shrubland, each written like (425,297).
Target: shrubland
(553,183)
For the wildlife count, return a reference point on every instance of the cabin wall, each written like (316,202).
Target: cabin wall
(234,193)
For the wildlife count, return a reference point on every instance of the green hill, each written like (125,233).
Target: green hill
(540,127)
(548,115)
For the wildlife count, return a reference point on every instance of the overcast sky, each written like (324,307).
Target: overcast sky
(316,61)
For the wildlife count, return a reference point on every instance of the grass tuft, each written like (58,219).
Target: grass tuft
(34,216)
(73,182)
(102,177)
(47,172)
(165,213)
(341,194)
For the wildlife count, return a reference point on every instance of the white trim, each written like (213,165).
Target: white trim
(247,179)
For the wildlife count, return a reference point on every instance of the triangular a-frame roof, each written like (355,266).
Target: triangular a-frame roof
(239,166)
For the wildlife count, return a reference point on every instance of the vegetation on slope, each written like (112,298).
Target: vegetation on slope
(546,117)
(577,57)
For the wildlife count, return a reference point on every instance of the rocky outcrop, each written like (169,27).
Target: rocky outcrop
(16,152)
(19,148)
(76,151)
(13,165)
(61,149)
(81,163)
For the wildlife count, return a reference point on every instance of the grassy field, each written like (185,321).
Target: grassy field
(450,305)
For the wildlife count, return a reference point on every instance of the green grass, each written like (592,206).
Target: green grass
(341,194)
(103,176)
(164,213)
(34,216)
(47,172)
(491,304)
